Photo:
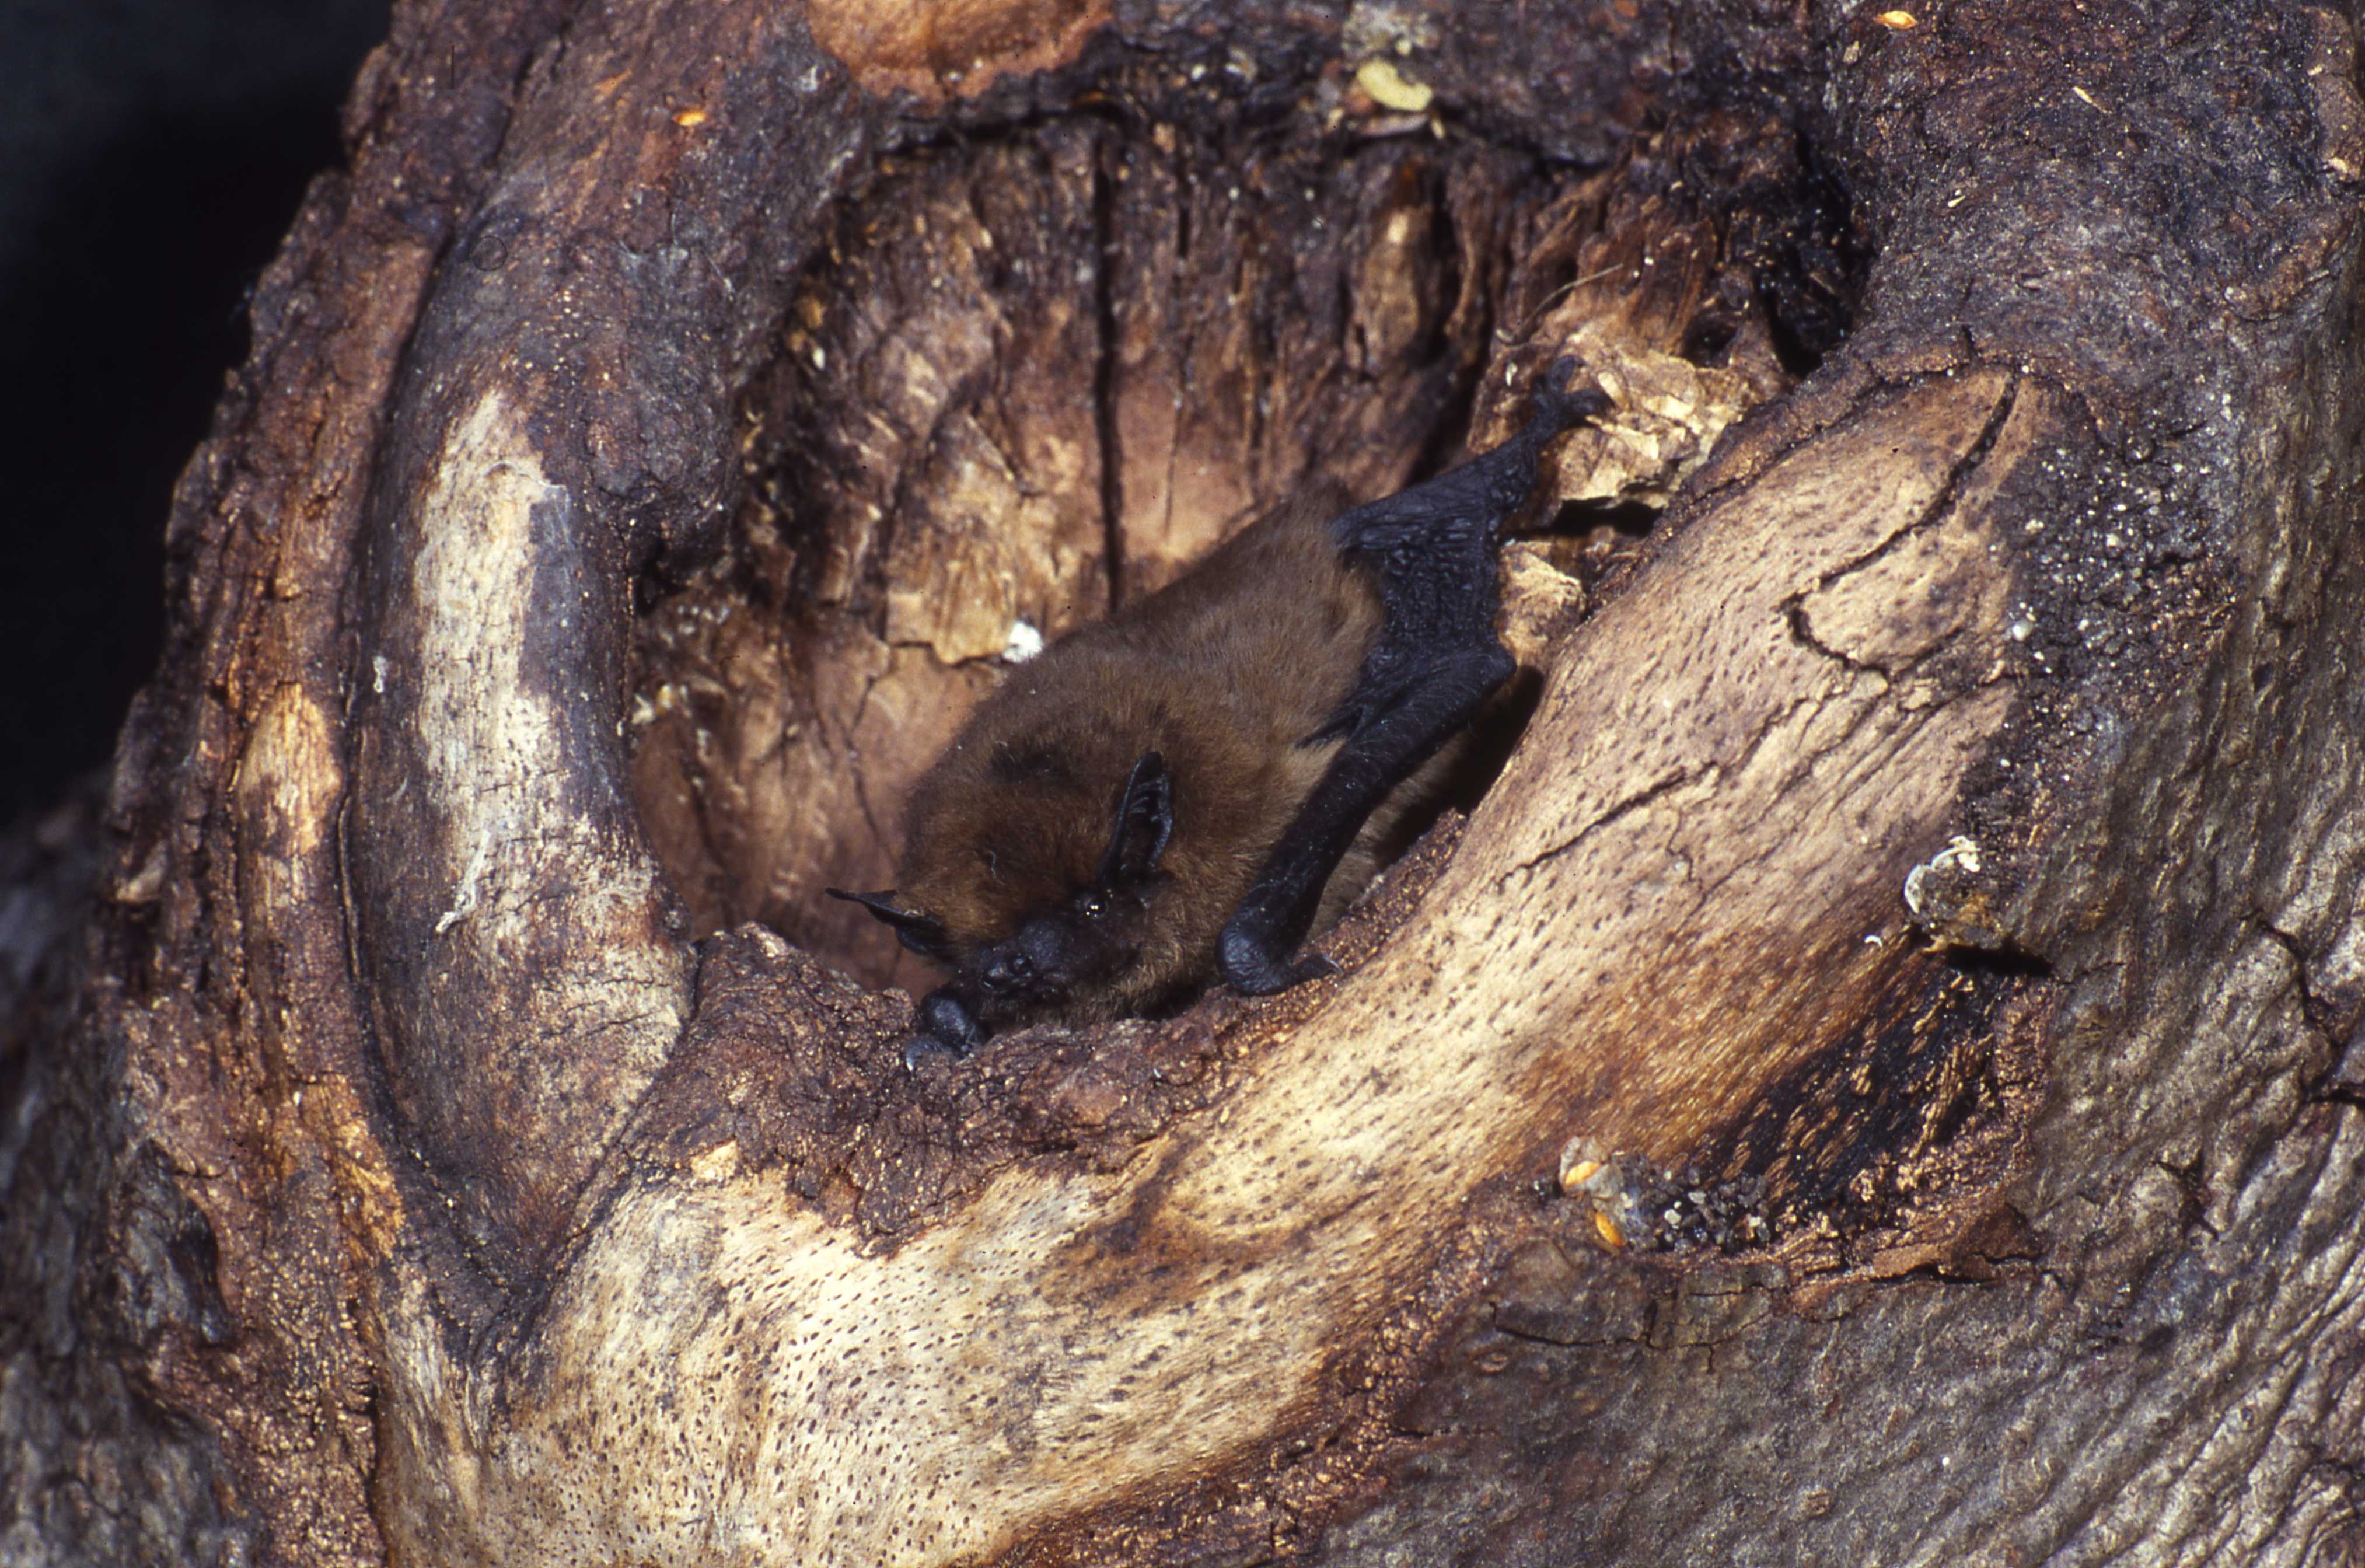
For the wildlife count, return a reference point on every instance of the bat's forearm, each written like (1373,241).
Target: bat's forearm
(1254,951)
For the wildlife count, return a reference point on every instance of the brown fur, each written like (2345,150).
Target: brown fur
(1226,672)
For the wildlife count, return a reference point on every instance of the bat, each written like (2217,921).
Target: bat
(1184,790)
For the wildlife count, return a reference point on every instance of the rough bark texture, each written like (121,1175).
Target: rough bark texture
(1877,1077)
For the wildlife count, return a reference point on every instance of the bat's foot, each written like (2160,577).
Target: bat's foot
(1253,966)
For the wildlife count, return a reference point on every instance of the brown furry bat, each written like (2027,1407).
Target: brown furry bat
(1182,790)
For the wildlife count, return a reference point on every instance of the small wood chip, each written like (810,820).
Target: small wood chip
(1389,89)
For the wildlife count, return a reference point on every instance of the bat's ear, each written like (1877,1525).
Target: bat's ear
(1144,821)
(924,934)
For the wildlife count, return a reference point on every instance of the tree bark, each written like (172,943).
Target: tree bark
(1877,1077)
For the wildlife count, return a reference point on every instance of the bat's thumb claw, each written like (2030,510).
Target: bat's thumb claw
(1250,965)
(946,1024)
(1562,407)
(919,1047)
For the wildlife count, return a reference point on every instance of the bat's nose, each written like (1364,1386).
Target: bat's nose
(1008,973)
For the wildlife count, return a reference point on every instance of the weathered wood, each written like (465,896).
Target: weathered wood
(1863,1084)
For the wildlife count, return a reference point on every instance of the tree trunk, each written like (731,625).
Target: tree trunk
(1877,1079)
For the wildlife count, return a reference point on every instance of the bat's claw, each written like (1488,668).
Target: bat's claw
(946,1024)
(919,1047)
(1562,408)
(1255,968)
(1313,967)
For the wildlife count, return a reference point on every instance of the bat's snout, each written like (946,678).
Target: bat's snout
(1008,973)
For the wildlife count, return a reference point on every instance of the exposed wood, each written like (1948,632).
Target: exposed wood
(1865,1084)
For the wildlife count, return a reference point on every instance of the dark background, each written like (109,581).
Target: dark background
(151,152)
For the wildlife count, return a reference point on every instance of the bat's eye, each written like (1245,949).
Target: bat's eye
(1091,909)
